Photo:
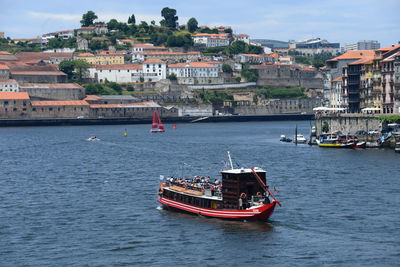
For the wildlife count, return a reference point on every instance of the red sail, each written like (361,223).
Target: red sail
(160,124)
(154,125)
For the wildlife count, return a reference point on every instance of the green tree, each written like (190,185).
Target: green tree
(325,127)
(132,19)
(170,17)
(88,18)
(172,77)
(81,68)
(251,75)
(113,24)
(226,68)
(68,67)
(192,25)
(237,47)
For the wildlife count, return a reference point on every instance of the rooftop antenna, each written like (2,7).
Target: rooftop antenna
(230,160)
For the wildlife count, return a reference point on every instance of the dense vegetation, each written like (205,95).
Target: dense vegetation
(215,98)
(251,75)
(317,60)
(282,92)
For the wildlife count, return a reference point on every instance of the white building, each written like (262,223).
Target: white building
(193,69)
(116,73)
(8,85)
(335,97)
(362,45)
(151,70)
(211,39)
(64,35)
(242,37)
(173,56)
(154,69)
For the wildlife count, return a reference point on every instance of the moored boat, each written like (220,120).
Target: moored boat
(242,194)
(300,139)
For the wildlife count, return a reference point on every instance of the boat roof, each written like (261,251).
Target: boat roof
(242,170)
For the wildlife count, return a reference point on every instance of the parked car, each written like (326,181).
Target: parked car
(373,131)
(361,132)
(387,130)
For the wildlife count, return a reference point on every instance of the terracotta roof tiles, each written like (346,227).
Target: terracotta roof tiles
(14,95)
(60,103)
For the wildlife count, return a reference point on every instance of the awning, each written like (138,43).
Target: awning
(370,109)
(320,108)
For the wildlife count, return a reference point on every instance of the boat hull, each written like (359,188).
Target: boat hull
(335,145)
(261,213)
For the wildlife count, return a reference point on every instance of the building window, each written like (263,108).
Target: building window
(50,109)
(14,109)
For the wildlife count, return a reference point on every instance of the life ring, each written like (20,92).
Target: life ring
(243,195)
(259,194)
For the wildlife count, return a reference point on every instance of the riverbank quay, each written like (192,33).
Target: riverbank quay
(367,127)
(184,119)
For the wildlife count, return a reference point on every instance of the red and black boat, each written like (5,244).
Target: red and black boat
(242,194)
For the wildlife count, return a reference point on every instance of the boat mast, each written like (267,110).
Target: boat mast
(230,160)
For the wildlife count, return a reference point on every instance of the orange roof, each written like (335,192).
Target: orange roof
(92,97)
(87,28)
(7,81)
(150,104)
(52,85)
(60,103)
(143,45)
(38,73)
(242,35)
(108,53)
(119,67)
(5,53)
(170,53)
(4,67)
(364,60)
(153,60)
(354,54)
(192,65)
(85,55)
(338,79)
(14,95)
(273,55)
(388,48)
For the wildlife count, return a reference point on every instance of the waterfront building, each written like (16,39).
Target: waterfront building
(335,96)
(397,84)
(279,74)
(14,105)
(8,85)
(60,109)
(211,39)
(53,91)
(362,45)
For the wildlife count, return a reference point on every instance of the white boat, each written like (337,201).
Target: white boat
(282,138)
(93,138)
(300,139)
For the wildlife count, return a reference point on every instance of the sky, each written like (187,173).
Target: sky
(343,21)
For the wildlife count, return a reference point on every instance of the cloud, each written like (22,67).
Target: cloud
(41,15)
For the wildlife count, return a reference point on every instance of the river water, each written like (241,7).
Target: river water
(65,201)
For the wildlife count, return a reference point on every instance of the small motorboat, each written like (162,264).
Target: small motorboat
(360,145)
(300,139)
(397,147)
(282,138)
(93,138)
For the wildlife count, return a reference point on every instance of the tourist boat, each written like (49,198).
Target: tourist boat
(360,144)
(333,141)
(242,194)
(300,139)
(157,126)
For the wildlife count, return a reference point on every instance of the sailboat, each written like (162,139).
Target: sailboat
(157,126)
